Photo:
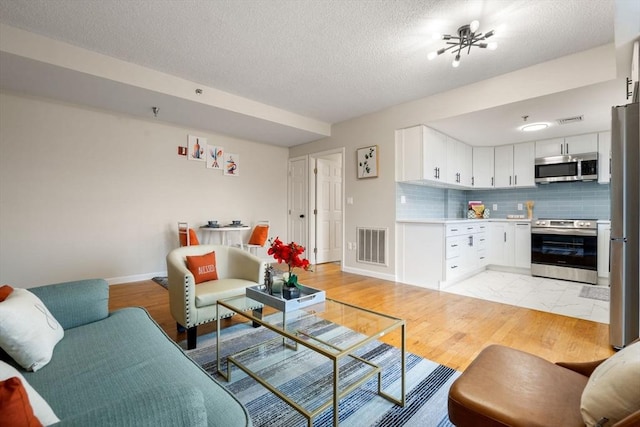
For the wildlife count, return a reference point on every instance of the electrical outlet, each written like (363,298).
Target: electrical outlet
(495,207)
(519,206)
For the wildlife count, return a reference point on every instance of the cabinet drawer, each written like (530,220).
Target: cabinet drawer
(455,229)
(454,267)
(454,245)
(480,241)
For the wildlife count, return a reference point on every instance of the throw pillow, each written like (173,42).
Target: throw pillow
(203,267)
(41,408)
(28,331)
(613,390)
(5,291)
(259,235)
(15,409)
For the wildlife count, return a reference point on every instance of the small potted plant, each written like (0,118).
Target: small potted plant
(289,254)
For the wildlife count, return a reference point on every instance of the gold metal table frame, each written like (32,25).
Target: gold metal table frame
(383,324)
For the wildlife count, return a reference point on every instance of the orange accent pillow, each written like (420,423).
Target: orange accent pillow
(5,291)
(15,409)
(193,238)
(259,235)
(203,267)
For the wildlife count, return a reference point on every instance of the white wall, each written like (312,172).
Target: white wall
(374,199)
(86,193)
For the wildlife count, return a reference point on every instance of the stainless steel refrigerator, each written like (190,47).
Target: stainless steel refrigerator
(624,315)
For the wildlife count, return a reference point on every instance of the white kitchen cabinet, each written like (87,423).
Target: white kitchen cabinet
(604,157)
(503,160)
(577,144)
(510,244)
(524,164)
(580,144)
(459,163)
(431,254)
(604,237)
(550,147)
(483,167)
(514,165)
(420,155)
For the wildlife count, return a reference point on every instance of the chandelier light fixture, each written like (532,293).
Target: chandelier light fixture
(467,38)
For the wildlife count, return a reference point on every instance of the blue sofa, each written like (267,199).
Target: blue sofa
(121,369)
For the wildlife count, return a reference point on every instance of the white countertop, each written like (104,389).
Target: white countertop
(458,220)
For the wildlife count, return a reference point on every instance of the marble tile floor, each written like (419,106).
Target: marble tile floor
(538,293)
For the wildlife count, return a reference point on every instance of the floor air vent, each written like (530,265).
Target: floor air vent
(372,245)
(568,120)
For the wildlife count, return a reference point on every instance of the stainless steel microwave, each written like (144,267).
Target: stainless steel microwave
(576,167)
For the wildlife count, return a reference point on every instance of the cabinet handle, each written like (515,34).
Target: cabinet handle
(509,179)
(454,266)
(454,246)
(471,241)
(516,180)
(562,148)
(473,179)
(435,173)
(505,237)
(492,181)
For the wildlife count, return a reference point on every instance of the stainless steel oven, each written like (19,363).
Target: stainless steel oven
(565,249)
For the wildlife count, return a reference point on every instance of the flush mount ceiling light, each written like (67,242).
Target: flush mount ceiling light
(532,127)
(466,39)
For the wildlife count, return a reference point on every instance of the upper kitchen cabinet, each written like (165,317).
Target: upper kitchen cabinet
(578,144)
(483,165)
(459,163)
(421,155)
(514,165)
(604,157)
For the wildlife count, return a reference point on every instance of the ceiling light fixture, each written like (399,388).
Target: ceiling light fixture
(465,40)
(532,127)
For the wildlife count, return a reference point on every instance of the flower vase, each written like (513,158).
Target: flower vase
(290,292)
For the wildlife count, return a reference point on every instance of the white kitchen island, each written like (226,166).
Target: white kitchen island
(434,253)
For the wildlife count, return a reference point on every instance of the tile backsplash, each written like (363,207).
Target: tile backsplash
(575,200)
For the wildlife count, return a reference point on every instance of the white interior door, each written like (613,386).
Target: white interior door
(329,210)
(298,202)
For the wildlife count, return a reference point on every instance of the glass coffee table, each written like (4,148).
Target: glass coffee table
(327,342)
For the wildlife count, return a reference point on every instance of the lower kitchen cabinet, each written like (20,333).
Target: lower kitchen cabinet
(510,244)
(430,255)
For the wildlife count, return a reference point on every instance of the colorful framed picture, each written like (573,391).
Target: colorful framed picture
(367,162)
(215,157)
(231,164)
(196,147)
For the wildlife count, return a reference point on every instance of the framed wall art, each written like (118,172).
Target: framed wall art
(215,155)
(231,164)
(197,147)
(367,162)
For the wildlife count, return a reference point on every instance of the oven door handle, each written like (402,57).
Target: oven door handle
(564,232)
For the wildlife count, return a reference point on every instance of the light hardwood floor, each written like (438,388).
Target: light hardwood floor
(446,328)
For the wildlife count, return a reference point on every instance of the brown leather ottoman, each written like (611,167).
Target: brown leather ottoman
(508,387)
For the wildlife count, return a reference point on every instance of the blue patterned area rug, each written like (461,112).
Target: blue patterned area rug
(307,377)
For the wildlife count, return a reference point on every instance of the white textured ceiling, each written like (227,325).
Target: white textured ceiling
(330,60)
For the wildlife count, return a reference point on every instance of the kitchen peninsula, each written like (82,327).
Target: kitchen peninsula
(434,253)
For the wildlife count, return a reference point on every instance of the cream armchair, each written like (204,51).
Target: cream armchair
(192,305)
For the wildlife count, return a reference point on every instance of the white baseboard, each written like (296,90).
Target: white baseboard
(368,273)
(134,278)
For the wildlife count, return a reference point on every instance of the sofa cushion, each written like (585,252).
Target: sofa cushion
(207,293)
(40,407)
(203,267)
(613,390)
(28,331)
(118,358)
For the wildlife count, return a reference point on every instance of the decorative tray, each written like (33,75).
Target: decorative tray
(308,296)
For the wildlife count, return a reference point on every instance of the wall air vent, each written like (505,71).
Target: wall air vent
(372,245)
(569,120)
